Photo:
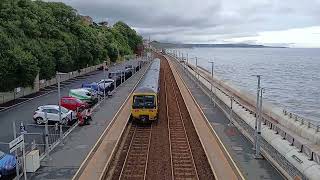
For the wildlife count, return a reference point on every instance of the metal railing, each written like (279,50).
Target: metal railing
(276,127)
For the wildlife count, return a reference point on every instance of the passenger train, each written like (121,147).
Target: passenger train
(145,97)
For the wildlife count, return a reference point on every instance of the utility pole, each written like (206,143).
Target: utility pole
(197,68)
(16,153)
(104,80)
(257,154)
(231,109)
(59,95)
(58,74)
(257,114)
(257,110)
(187,60)
(212,67)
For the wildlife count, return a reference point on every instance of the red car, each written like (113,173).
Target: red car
(72,103)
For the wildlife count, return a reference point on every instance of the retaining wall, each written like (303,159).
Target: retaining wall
(39,84)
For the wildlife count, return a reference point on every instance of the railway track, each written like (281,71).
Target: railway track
(136,160)
(166,149)
(182,161)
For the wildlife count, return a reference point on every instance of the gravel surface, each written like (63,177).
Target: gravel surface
(159,165)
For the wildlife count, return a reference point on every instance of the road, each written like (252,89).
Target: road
(24,112)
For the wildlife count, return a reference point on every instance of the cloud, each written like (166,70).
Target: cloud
(203,20)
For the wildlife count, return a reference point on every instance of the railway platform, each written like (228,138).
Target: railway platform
(238,146)
(181,144)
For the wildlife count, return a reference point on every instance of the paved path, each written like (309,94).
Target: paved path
(238,146)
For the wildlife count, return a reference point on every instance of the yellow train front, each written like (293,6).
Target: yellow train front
(145,97)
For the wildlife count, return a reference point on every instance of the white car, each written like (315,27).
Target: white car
(51,112)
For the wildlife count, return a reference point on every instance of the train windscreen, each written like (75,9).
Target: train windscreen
(143,101)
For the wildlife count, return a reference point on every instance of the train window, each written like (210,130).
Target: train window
(143,101)
(149,101)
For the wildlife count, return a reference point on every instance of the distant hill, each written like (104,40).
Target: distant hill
(177,45)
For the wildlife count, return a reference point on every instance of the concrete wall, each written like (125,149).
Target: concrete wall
(39,84)
(293,155)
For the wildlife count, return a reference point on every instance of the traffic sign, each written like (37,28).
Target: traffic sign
(16,143)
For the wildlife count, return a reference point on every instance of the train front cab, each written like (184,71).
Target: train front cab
(144,107)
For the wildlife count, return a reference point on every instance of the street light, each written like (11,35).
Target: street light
(258,155)
(258,122)
(212,66)
(187,60)
(58,74)
(197,72)
(104,81)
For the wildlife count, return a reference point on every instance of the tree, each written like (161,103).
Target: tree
(45,37)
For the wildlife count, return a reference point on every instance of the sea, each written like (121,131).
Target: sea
(290,76)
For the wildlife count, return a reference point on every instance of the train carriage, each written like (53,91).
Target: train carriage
(145,97)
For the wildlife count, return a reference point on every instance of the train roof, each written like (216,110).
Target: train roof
(150,81)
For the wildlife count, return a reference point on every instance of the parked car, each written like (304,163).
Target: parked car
(116,75)
(7,164)
(98,89)
(107,83)
(87,95)
(51,112)
(73,103)
(128,71)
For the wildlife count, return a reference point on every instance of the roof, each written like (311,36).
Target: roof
(49,106)
(80,90)
(150,81)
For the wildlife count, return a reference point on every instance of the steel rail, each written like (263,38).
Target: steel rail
(135,151)
(184,168)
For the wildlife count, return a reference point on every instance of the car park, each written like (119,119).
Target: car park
(87,95)
(73,103)
(51,113)
(7,164)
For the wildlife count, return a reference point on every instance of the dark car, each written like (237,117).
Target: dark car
(128,71)
(7,164)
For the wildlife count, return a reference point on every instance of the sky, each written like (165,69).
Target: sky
(292,23)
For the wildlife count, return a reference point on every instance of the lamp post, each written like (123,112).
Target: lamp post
(212,67)
(104,81)
(257,153)
(257,122)
(187,60)
(58,74)
(197,68)
(231,109)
